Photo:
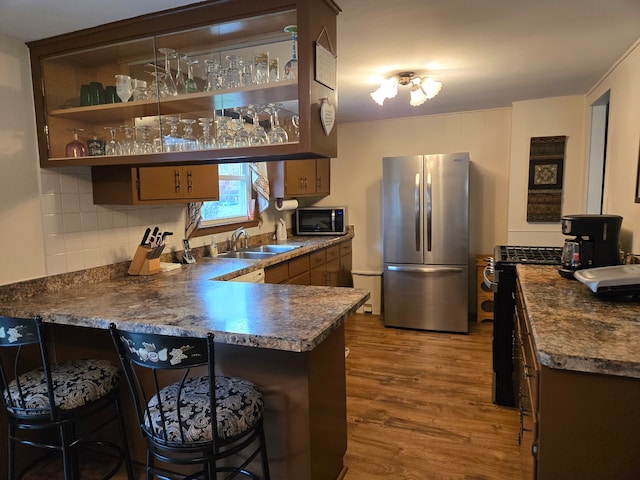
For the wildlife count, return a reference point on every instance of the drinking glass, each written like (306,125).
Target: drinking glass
(206,141)
(124,87)
(212,68)
(276,134)
(75,148)
(189,142)
(261,68)
(274,70)
(180,83)
(234,75)
(172,140)
(258,136)
(295,121)
(190,84)
(170,85)
(111,94)
(128,144)
(112,147)
(291,67)
(240,134)
(144,144)
(224,137)
(140,91)
(97,93)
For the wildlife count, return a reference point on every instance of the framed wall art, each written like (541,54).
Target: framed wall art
(546,168)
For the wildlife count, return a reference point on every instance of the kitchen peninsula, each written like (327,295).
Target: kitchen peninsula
(579,368)
(288,339)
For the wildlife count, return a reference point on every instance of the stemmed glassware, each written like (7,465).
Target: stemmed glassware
(295,121)
(124,87)
(128,144)
(170,85)
(144,145)
(172,140)
(206,141)
(276,134)
(112,147)
(190,83)
(258,136)
(241,136)
(75,148)
(224,137)
(180,83)
(291,67)
(189,142)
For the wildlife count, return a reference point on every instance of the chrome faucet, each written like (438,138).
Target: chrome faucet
(236,235)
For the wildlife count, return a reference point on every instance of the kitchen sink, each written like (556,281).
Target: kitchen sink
(272,249)
(248,255)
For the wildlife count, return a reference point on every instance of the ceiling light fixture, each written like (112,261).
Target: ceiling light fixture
(421,89)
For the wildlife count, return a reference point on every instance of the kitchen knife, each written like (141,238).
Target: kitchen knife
(146,236)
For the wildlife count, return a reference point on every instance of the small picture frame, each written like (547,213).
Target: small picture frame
(545,174)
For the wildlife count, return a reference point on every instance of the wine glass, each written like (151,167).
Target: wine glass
(190,83)
(189,142)
(291,67)
(206,141)
(170,85)
(241,136)
(144,144)
(180,83)
(75,148)
(224,137)
(127,145)
(276,134)
(112,147)
(124,87)
(172,140)
(258,136)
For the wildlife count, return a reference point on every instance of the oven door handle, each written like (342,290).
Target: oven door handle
(491,283)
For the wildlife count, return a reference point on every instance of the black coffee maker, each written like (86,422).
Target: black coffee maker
(596,242)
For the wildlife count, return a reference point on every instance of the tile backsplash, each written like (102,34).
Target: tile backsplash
(80,235)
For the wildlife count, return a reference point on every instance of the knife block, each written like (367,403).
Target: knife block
(141,264)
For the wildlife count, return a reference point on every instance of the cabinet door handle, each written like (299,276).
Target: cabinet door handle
(189,181)
(176,179)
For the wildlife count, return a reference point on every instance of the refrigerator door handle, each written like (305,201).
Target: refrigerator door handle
(417,211)
(429,208)
(421,269)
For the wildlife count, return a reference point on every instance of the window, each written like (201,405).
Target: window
(231,210)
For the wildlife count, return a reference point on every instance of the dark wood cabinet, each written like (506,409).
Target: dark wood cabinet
(154,185)
(330,266)
(573,424)
(307,177)
(204,31)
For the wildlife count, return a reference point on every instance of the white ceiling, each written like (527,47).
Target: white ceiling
(487,53)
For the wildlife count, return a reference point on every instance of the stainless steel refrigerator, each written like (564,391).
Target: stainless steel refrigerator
(425,205)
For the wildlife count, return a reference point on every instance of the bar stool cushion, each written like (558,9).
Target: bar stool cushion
(239,408)
(76,383)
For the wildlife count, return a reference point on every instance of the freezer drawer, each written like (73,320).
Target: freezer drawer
(426,297)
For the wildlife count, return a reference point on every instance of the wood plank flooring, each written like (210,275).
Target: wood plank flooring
(419,406)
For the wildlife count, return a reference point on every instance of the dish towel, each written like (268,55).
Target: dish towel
(260,183)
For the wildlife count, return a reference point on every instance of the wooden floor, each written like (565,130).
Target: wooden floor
(419,406)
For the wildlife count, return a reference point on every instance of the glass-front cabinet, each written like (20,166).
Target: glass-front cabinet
(230,80)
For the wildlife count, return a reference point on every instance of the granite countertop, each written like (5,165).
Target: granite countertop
(193,300)
(575,330)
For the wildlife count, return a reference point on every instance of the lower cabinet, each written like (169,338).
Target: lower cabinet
(573,424)
(329,266)
(117,185)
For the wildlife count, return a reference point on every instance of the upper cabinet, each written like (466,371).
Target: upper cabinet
(227,80)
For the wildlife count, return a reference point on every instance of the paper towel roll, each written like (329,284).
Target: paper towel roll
(287,205)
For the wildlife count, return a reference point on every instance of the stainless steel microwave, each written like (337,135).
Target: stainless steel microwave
(321,221)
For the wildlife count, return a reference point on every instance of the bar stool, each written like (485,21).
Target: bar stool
(75,398)
(177,406)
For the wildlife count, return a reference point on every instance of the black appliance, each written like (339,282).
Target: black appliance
(596,242)
(502,267)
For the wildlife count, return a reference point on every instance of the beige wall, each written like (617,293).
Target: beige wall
(542,118)
(623,83)
(356,174)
